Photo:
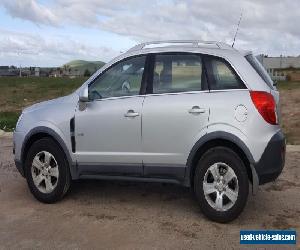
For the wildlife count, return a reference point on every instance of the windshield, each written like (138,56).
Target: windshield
(260,70)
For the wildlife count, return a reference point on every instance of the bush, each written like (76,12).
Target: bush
(87,73)
(8,120)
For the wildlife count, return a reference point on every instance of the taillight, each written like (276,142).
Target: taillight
(265,104)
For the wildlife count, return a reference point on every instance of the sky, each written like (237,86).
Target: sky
(53,32)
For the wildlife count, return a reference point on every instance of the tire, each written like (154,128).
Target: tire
(57,177)
(213,191)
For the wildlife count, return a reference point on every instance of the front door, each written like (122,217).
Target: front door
(108,130)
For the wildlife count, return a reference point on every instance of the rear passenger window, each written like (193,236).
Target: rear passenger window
(224,76)
(177,73)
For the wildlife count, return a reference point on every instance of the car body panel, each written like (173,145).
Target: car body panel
(104,135)
(168,127)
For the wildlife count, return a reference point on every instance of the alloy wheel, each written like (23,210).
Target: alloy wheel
(44,171)
(220,186)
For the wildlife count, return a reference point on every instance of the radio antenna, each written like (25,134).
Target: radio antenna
(237,28)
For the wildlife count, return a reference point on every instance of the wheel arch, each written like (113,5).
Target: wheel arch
(43,132)
(218,139)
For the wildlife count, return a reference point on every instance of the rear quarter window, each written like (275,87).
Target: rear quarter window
(222,75)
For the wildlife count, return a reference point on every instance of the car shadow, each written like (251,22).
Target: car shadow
(135,193)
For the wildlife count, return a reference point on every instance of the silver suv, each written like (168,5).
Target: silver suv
(199,114)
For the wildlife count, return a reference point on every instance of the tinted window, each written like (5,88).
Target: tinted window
(122,79)
(177,73)
(223,76)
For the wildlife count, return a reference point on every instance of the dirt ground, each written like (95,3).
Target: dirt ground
(112,215)
(290,111)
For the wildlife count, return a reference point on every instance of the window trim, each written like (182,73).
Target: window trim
(152,57)
(211,79)
(147,78)
(143,81)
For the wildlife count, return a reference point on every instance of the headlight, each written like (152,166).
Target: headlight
(18,122)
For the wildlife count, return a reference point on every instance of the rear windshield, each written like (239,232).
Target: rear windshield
(260,70)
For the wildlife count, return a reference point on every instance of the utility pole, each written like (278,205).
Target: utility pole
(20,72)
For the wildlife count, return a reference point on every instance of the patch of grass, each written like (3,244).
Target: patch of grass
(19,92)
(284,85)
(8,120)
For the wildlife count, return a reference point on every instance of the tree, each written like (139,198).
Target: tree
(87,73)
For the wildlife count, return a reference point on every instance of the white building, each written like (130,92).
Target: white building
(36,71)
(279,67)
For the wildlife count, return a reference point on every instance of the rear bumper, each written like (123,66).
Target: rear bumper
(272,160)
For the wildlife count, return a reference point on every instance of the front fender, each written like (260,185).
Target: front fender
(54,132)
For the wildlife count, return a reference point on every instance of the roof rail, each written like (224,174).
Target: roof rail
(171,43)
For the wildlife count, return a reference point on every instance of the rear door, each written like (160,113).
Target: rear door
(175,113)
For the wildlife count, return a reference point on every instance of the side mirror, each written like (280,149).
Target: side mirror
(84,94)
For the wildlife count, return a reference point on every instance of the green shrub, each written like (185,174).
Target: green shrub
(8,120)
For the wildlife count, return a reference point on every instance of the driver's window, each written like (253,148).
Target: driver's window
(123,79)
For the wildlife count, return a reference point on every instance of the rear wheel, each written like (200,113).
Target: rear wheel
(47,171)
(221,184)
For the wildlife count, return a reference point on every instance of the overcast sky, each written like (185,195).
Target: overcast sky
(52,32)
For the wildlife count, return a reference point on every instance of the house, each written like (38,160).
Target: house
(36,71)
(282,68)
(56,72)
(8,71)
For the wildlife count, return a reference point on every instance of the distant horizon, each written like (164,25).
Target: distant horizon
(92,61)
(28,66)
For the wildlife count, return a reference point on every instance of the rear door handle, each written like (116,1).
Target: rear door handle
(131,113)
(196,110)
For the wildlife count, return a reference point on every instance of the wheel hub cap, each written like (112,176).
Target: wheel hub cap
(220,186)
(44,171)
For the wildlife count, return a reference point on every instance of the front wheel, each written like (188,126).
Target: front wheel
(221,184)
(47,171)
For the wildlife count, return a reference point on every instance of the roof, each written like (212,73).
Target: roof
(280,62)
(181,44)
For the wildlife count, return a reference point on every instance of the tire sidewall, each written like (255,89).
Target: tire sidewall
(229,157)
(49,145)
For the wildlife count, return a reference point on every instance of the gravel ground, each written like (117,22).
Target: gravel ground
(113,215)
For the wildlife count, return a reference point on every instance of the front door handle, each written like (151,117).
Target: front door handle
(196,110)
(131,113)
